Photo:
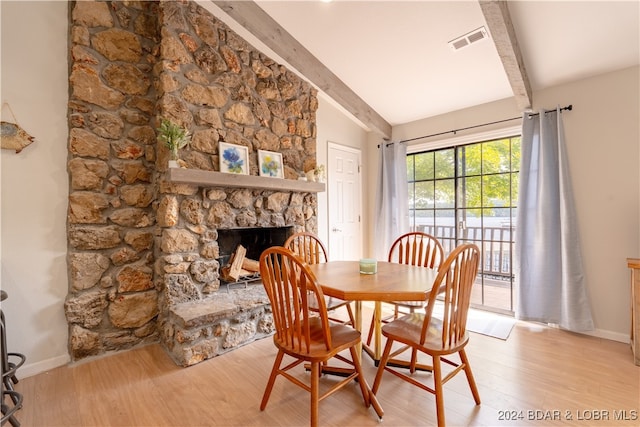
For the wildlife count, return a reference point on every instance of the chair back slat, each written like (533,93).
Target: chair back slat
(289,285)
(455,279)
(417,248)
(307,246)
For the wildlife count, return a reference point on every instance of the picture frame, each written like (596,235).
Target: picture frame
(233,158)
(270,164)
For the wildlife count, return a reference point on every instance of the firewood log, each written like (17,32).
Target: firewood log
(224,274)
(251,265)
(236,262)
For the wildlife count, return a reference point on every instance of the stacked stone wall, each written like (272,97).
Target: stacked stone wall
(112,300)
(143,251)
(213,83)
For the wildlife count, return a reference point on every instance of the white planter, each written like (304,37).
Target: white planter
(173,164)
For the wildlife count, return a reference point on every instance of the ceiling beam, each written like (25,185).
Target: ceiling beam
(496,14)
(267,30)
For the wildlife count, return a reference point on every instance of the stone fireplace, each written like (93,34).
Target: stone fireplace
(237,312)
(144,240)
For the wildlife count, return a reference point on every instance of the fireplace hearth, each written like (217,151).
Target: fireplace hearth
(236,314)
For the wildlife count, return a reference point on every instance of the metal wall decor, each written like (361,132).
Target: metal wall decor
(13,137)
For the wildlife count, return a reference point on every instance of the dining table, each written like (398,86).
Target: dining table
(391,282)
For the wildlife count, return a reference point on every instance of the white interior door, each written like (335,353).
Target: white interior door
(344,194)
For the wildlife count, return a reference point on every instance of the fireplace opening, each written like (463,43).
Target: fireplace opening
(254,240)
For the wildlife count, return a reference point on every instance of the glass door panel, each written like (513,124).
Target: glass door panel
(468,194)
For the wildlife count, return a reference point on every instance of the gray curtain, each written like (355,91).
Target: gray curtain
(549,274)
(392,205)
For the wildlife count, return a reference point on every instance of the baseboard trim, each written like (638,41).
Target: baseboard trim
(31,369)
(597,333)
(609,335)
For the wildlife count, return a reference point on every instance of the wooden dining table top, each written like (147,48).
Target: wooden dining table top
(392,282)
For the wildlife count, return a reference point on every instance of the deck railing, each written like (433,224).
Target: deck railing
(496,244)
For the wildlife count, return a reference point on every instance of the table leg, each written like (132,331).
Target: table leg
(358,325)
(377,324)
(376,352)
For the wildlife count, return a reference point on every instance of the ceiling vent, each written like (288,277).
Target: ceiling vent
(469,38)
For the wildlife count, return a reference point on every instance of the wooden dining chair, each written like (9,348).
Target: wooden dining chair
(304,335)
(310,248)
(436,337)
(415,248)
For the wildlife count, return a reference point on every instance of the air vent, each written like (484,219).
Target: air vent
(469,38)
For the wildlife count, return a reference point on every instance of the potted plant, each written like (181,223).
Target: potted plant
(175,137)
(320,173)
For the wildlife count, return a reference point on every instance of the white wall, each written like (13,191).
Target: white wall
(334,126)
(34,182)
(603,142)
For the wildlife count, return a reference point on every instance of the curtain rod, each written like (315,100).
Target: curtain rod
(454,131)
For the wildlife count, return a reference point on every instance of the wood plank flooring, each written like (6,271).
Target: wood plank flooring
(538,377)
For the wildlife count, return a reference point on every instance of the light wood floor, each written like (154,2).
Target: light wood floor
(536,371)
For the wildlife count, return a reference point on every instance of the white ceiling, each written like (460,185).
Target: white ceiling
(395,55)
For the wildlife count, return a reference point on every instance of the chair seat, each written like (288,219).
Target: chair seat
(409,304)
(331,303)
(342,337)
(407,330)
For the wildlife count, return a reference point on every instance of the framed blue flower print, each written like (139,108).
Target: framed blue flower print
(234,158)
(270,164)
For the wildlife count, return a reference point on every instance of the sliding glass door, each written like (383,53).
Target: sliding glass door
(468,193)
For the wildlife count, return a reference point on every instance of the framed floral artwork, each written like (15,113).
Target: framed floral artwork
(270,164)
(234,158)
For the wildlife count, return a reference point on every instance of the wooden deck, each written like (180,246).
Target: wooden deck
(495,295)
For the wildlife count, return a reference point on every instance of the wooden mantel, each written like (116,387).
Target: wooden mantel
(205,178)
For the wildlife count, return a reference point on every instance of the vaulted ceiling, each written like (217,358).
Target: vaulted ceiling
(390,62)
